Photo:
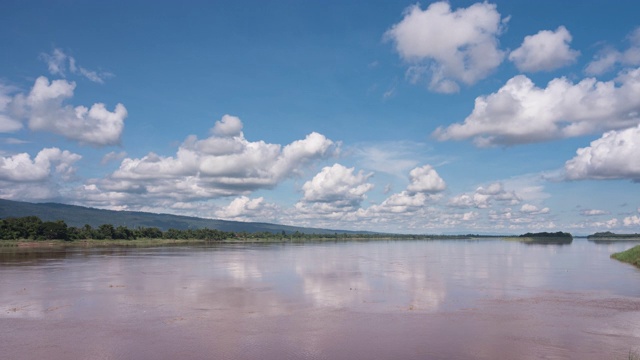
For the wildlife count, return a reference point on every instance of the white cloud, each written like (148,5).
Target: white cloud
(228,126)
(483,197)
(335,192)
(533,210)
(7,123)
(520,112)
(58,61)
(609,57)
(402,202)
(616,155)
(338,185)
(425,179)
(631,220)
(450,46)
(224,164)
(593,212)
(21,168)
(424,182)
(246,209)
(545,51)
(44,109)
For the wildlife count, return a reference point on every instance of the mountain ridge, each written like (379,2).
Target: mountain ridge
(77,215)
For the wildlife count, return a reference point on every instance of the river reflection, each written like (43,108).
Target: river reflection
(487,299)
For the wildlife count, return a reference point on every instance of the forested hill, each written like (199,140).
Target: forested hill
(78,216)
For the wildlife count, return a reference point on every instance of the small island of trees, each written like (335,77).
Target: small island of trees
(555,238)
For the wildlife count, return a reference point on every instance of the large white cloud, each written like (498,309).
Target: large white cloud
(44,110)
(425,179)
(224,164)
(335,192)
(520,112)
(450,46)
(424,184)
(339,185)
(609,57)
(545,51)
(20,167)
(616,155)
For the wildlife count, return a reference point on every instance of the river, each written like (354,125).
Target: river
(447,299)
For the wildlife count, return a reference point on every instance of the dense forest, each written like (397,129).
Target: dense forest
(33,228)
(610,235)
(558,234)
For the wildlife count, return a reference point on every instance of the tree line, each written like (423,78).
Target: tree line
(33,228)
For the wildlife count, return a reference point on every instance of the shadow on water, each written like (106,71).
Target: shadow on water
(554,241)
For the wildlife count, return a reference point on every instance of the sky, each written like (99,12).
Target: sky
(497,117)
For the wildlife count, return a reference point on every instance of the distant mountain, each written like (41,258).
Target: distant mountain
(79,216)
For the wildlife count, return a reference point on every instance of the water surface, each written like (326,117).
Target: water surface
(487,299)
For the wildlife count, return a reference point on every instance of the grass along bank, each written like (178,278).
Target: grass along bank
(631,256)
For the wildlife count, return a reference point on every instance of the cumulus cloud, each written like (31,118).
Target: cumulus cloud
(521,112)
(401,203)
(425,179)
(631,220)
(545,51)
(609,57)
(484,196)
(616,155)
(424,184)
(450,46)
(339,185)
(335,195)
(335,192)
(44,110)
(533,210)
(244,208)
(224,164)
(58,62)
(21,168)
(228,126)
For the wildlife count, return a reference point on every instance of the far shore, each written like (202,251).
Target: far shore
(93,243)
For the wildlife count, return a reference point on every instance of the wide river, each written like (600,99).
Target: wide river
(487,299)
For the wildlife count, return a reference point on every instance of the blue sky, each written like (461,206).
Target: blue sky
(432,117)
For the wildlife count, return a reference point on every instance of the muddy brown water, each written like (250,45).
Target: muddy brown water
(487,299)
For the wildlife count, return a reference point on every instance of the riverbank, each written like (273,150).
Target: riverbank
(631,256)
(148,242)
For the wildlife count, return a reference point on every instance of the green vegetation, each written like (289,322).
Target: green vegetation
(543,238)
(547,235)
(31,231)
(608,235)
(80,216)
(631,256)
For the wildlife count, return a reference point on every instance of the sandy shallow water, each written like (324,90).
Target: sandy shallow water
(487,299)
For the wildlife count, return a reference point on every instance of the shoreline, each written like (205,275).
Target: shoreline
(630,256)
(92,243)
